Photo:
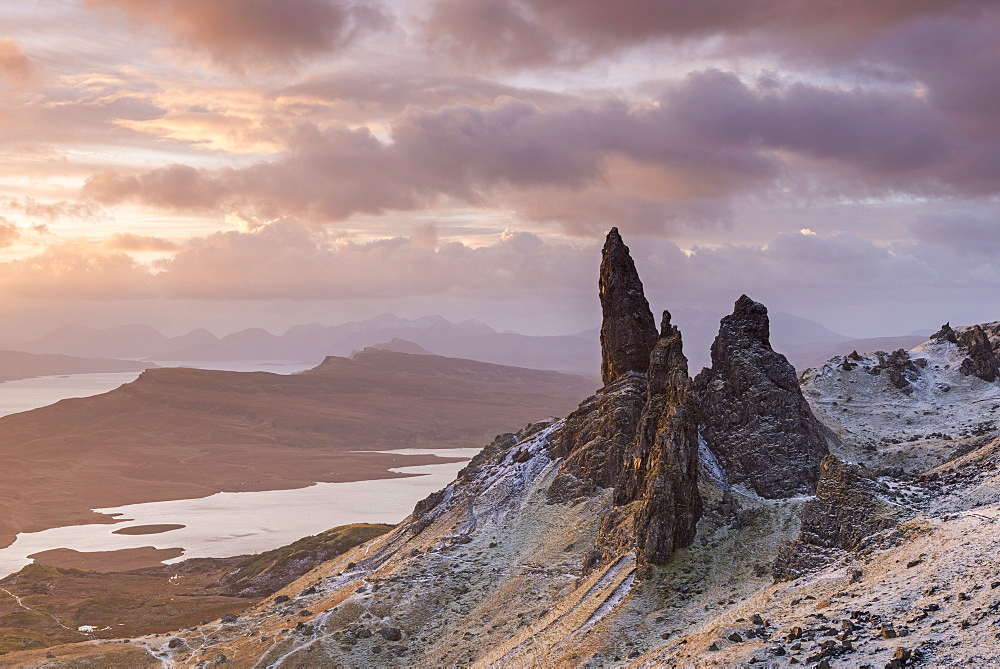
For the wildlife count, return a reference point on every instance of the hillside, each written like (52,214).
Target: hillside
(185,433)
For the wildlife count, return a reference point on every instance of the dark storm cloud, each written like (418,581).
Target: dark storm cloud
(522,33)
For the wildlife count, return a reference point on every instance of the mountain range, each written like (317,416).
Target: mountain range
(805,342)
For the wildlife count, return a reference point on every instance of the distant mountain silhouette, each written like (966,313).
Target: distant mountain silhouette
(398,345)
(122,341)
(577,353)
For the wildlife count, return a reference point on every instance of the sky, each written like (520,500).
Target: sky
(240,163)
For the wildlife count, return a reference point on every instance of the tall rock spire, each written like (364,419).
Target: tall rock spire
(628,331)
(753,416)
(657,500)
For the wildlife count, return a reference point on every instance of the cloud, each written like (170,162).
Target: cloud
(286,259)
(15,66)
(475,155)
(965,234)
(709,138)
(129,242)
(75,270)
(52,210)
(367,95)
(174,186)
(537,33)
(954,59)
(254,33)
(425,236)
(9,233)
(894,138)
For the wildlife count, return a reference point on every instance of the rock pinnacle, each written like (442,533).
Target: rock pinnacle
(628,331)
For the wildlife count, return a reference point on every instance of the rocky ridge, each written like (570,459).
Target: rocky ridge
(616,537)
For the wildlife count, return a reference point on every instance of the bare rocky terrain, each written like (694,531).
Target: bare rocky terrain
(847,518)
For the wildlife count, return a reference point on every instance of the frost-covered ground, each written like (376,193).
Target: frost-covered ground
(939,404)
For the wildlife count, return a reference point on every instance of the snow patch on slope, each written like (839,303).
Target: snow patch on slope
(857,398)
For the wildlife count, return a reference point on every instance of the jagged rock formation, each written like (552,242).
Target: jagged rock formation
(593,440)
(981,362)
(899,368)
(847,509)
(946,333)
(752,414)
(639,435)
(656,498)
(628,331)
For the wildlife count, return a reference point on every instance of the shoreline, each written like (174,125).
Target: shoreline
(225,524)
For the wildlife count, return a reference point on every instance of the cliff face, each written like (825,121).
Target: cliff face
(752,414)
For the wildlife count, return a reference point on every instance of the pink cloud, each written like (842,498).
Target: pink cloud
(15,66)
(130,242)
(246,33)
(537,33)
(9,233)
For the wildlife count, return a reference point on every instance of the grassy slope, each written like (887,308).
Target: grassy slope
(55,602)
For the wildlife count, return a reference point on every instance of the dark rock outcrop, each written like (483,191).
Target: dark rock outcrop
(847,510)
(900,369)
(982,361)
(597,435)
(656,499)
(628,331)
(752,414)
(946,334)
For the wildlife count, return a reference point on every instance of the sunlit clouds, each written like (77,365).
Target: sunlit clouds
(837,161)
